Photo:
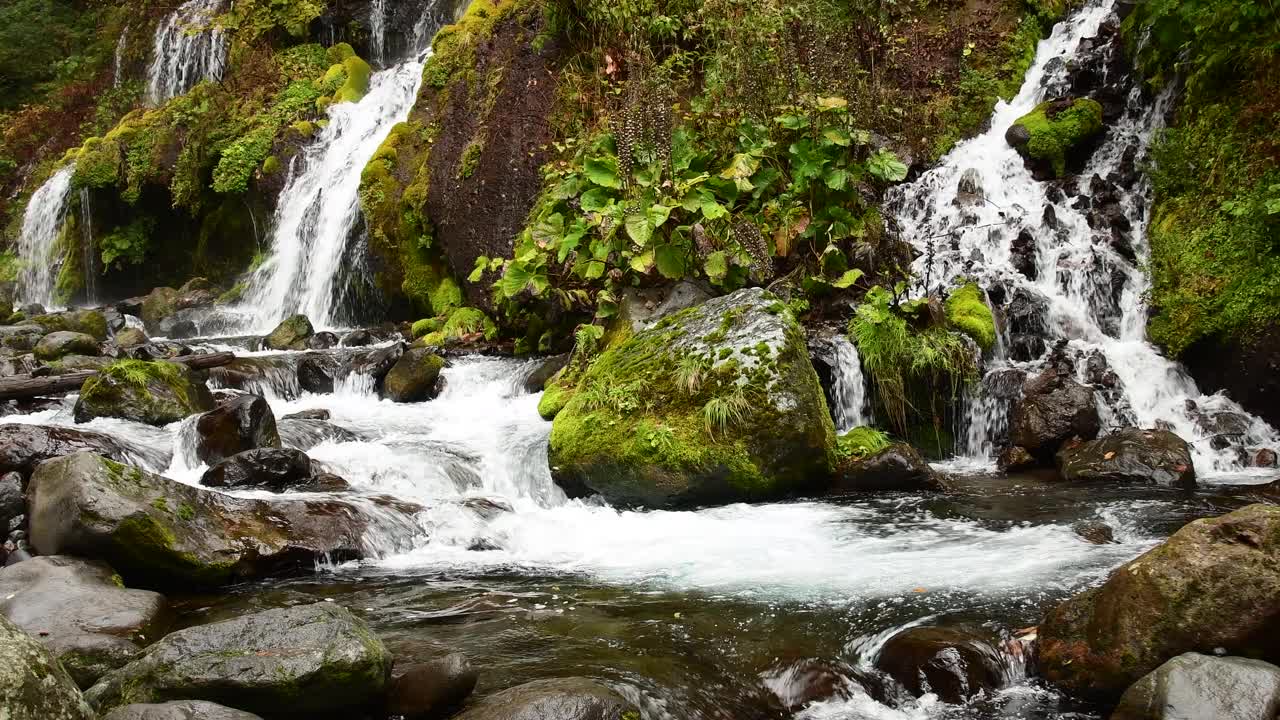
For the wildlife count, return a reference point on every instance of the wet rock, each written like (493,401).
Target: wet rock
(316,414)
(292,333)
(304,434)
(429,690)
(315,376)
(64,342)
(1024,313)
(1022,254)
(379,362)
(897,467)
(954,664)
(179,326)
(1265,458)
(800,683)
(1098,371)
(155,393)
(81,612)
(13,501)
(275,468)
(1057,135)
(645,307)
(308,661)
(157,350)
(160,533)
(89,322)
(21,337)
(324,483)
(414,377)
(1201,686)
(358,338)
(31,309)
(547,368)
(557,699)
(1054,409)
(24,447)
(1214,586)
(1015,457)
(33,686)
(130,337)
(1095,531)
(322,341)
(1156,457)
(969,190)
(159,304)
(179,710)
(242,423)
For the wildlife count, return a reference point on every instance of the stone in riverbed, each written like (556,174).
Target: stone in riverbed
(179,710)
(24,447)
(291,334)
(310,661)
(1193,686)
(160,533)
(155,393)
(429,690)
(33,686)
(897,467)
(89,322)
(242,423)
(130,337)
(414,378)
(300,434)
(1015,458)
(79,610)
(65,342)
(1130,455)
(315,375)
(1215,584)
(276,468)
(13,500)
(954,664)
(556,699)
(1054,409)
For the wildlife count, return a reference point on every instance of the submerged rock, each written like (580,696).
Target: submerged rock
(81,612)
(156,393)
(952,663)
(242,423)
(1130,455)
(64,342)
(160,533)
(897,467)
(308,661)
(33,686)
(557,699)
(415,376)
(179,710)
(1201,686)
(1095,531)
(275,468)
(1054,409)
(291,334)
(714,404)
(429,690)
(1214,586)
(302,434)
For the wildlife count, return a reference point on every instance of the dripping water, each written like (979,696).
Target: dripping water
(851,403)
(121,45)
(37,243)
(189,48)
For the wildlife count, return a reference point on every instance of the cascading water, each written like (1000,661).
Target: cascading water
(117,75)
(88,253)
(852,403)
(378,31)
(37,244)
(1089,292)
(189,48)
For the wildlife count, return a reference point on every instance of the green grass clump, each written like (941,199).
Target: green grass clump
(968,313)
(426,326)
(861,442)
(1052,137)
(139,373)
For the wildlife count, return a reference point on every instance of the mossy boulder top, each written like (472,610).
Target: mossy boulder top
(61,343)
(155,393)
(714,404)
(291,334)
(1050,133)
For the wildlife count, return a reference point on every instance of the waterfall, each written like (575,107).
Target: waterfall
(1090,291)
(852,403)
(189,48)
(378,31)
(88,254)
(320,205)
(36,245)
(122,44)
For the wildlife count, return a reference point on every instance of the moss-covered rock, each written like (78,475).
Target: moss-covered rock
(414,377)
(159,304)
(33,686)
(460,325)
(291,334)
(156,393)
(56,345)
(895,467)
(129,337)
(1050,133)
(553,699)
(968,312)
(1130,455)
(90,322)
(714,404)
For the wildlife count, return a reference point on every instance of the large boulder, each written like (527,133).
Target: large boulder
(952,663)
(429,690)
(89,322)
(415,376)
(241,423)
(160,533)
(556,699)
(81,612)
(274,468)
(309,661)
(897,467)
(130,337)
(33,686)
(291,334)
(178,710)
(1201,686)
(1054,409)
(24,447)
(713,404)
(156,393)
(56,345)
(1214,586)
(1157,457)
(159,304)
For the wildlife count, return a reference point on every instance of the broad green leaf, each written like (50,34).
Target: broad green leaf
(482,264)
(548,230)
(595,269)
(837,136)
(671,261)
(740,170)
(603,172)
(647,176)
(886,166)
(711,209)
(832,103)
(515,280)
(643,262)
(569,243)
(639,229)
(595,200)
(848,279)
(658,214)
(716,266)
(837,178)
(793,122)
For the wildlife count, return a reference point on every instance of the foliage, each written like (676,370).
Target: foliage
(37,42)
(967,312)
(127,244)
(861,442)
(1208,41)
(252,18)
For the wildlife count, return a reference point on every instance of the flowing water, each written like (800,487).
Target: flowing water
(1090,294)
(88,249)
(189,48)
(37,243)
(117,75)
(850,398)
(378,31)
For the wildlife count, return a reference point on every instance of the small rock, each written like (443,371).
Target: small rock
(322,341)
(556,699)
(358,338)
(1095,531)
(897,467)
(969,190)
(316,414)
(57,344)
(1015,457)
(952,663)
(314,376)
(428,690)
(130,337)
(414,377)
(1265,458)
(275,468)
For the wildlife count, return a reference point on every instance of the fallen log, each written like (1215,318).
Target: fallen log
(21,387)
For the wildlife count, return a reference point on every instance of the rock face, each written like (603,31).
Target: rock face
(558,699)
(1054,409)
(178,710)
(897,467)
(952,663)
(80,612)
(308,661)
(156,393)
(273,467)
(157,532)
(428,690)
(242,423)
(291,334)
(717,403)
(24,447)
(1214,584)
(1130,455)
(414,377)
(1201,686)
(65,342)
(33,686)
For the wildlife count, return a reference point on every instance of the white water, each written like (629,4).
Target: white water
(1074,267)
(88,250)
(117,76)
(852,402)
(189,48)
(378,31)
(37,244)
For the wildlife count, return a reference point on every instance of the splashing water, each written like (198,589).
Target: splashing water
(378,31)
(189,48)
(88,251)
(852,402)
(36,245)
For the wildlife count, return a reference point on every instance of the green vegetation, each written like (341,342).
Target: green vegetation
(861,442)
(967,312)
(458,324)
(1053,129)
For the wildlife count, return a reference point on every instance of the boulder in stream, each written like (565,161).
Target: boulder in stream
(156,393)
(952,663)
(555,699)
(429,690)
(241,423)
(1214,586)
(56,345)
(1157,457)
(81,612)
(178,710)
(24,447)
(291,334)
(159,304)
(130,337)
(90,322)
(1054,409)
(1053,134)
(160,533)
(897,467)
(309,661)
(275,468)
(33,686)
(1202,686)
(415,376)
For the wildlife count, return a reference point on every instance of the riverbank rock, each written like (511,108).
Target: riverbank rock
(179,710)
(952,663)
(714,404)
(1157,457)
(310,661)
(1201,686)
(160,533)
(1053,135)
(415,377)
(1054,409)
(159,304)
(33,686)
(241,423)
(59,344)
(275,468)
(897,467)
(131,337)
(557,699)
(1214,586)
(291,334)
(80,611)
(429,690)
(155,393)
(24,447)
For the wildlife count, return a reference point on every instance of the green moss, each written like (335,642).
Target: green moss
(861,442)
(270,165)
(470,158)
(234,294)
(553,400)
(967,312)
(426,326)
(1054,132)
(469,321)
(304,128)
(356,83)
